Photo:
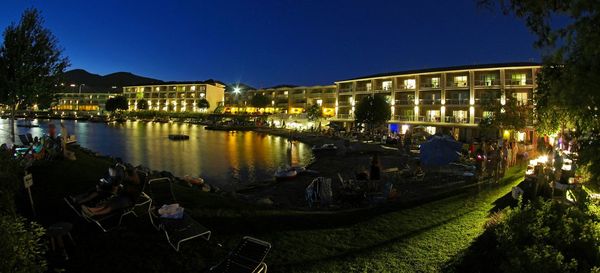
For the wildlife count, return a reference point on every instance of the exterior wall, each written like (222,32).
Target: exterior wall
(86,102)
(290,100)
(451,98)
(175,97)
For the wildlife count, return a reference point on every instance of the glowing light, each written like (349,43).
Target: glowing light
(236,90)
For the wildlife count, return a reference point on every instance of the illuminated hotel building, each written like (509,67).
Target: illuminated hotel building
(82,101)
(451,97)
(286,99)
(176,96)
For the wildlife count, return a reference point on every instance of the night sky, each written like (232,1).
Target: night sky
(266,43)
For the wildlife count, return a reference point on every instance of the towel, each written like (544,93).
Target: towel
(172,211)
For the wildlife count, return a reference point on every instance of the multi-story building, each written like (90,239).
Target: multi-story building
(83,102)
(287,99)
(176,96)
(452,97)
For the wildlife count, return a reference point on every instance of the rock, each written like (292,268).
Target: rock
(265,201)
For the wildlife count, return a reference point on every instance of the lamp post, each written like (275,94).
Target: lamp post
(80,88)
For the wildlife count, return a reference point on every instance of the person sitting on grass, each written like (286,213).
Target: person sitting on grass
(125,198)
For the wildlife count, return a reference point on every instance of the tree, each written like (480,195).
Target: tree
(314,112)
(203,104)
(259,101)
(510,116)
(142,104)
(31,64)
(567,92)
(116,103)
(373,111)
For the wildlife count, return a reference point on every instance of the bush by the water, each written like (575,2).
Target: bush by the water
(540,236)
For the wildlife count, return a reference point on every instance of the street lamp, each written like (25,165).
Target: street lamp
(80,87)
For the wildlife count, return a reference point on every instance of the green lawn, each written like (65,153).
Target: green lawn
(423,238)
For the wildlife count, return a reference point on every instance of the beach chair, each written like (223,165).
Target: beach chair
(247,257)
(177,231)
(24,140)
(107,222)
(142,200)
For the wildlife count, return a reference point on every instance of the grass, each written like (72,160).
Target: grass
(422,238)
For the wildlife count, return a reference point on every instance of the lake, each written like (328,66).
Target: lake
(222,158)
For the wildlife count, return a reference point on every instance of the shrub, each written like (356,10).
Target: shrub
(22,249)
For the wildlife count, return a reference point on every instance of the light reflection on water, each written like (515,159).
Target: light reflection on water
(221,158)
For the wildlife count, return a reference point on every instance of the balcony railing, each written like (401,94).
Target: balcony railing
(345,89)
(403,118)
(429,85)
(343,103)
(345,116)
(457,84)
(430,101)
(457,101)
(363,89)
(486,101)
(511,82)
(405,102)
(453,119)
(494,82)
(381,89)
(406,87)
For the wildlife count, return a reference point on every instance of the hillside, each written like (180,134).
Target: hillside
(107,83)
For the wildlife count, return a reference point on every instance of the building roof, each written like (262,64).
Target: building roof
(449,68)
(209,81)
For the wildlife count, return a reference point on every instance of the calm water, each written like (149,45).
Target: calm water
(221,158)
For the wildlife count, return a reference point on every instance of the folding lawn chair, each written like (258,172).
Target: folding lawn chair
(177,231)
(142,200)
(247,257)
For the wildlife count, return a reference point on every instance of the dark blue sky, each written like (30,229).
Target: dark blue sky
(265,43)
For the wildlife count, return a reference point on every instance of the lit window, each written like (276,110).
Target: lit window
(460,81)
(521,98)
(435,82)
(433,115)
(369,86)
(386,85)
(489,79)
(157,89)
(519,79)
(460,116)
(410,83)
(193,88)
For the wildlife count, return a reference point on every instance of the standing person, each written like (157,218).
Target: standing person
(63,138)
(374,173)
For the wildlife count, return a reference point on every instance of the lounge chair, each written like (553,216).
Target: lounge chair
(24,140)
(247,257)
(143,199)
(177,231)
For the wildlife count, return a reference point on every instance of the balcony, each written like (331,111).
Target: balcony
(457,101)
(345,89)
(363,89)
(383,90)
(343,103)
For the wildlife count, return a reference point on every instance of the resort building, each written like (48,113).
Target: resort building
(84,102)
(176,96)
(451,98)
(285,99)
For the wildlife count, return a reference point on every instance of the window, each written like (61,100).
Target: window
(368,86)
(386,85)
(193,88)
(460,81)
(518,79)
(410,83)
